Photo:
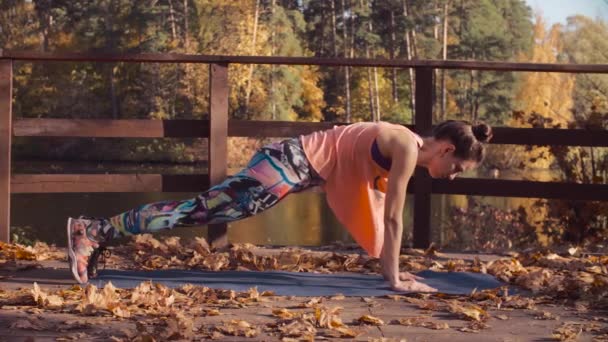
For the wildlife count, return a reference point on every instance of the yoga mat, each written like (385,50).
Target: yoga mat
(296,284)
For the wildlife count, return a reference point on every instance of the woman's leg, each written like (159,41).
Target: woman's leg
(273,172)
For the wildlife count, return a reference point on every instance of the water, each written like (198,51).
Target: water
(300,219)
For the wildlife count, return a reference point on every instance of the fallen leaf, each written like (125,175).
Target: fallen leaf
(368,319)
(28,325)
(468,311)
(567,332)
(545,315)
(328,318)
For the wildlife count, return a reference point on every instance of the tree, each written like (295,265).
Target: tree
(486,30)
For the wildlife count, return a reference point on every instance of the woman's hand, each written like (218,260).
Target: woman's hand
(411,286)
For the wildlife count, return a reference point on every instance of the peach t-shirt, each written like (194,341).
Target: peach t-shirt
(354,183)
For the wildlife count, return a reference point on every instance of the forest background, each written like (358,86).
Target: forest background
(483,30)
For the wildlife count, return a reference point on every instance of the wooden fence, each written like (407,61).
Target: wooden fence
(218,128)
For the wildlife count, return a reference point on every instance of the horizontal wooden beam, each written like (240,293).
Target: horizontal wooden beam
(62,183)
(107,128)
(521,188)
(93,128)
(356,62)
(550,136)
(239,128)
(65,183)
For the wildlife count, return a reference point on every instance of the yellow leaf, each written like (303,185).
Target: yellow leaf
(469,311)
(283,313)
(368,319)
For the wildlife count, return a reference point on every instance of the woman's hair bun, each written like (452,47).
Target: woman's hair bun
(482,132)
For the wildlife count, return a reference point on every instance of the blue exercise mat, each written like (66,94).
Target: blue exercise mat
(296,284)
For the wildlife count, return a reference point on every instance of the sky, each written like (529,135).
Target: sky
(556,11)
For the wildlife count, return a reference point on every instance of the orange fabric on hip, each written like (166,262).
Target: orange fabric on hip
(355,185)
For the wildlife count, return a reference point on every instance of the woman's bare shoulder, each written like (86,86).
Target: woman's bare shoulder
(391,139)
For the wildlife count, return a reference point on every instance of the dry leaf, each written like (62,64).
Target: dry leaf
(211,312)
(298,328)
(311,303)
(283,313)
(238,328)
(567,332)
(368,319)
(341,332)
(328,318)
(27,325)
(423,304)
(545,315)
(179,326)
(422,322)
(468,311)
(45,300)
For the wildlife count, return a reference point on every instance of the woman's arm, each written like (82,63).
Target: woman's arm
(404,153)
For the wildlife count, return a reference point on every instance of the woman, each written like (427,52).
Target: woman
(364,169)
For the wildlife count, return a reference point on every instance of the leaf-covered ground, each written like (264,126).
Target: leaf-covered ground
(568,298)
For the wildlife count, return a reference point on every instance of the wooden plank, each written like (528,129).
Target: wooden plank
(61,183)
(238,128)
(69,183)
(218,140)
(549,136)
(76,183)
(520,188)
(108,128)
(356,62)
(422,181)
(241,128)
(6,99)
(98,128)
(185,183)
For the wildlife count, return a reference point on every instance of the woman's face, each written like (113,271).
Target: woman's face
(445,165)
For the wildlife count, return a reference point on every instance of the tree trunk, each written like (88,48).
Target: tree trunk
(478,76)
(252,51)
(436,28)
(444,57)
(470,92)
(392,53)
(110,44)
(186,24)
(413,33)
(273,105)
(113,97)
(410,55)
(593,177)
(376,95)
(346,68)
(372,109)
(172,20)
(334,35)
(322,44)
(582,165)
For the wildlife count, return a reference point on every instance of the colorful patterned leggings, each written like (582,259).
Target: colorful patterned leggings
(275,171)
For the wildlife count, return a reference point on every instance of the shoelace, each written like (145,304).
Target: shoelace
(101,254)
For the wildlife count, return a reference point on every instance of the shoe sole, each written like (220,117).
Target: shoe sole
(72,255)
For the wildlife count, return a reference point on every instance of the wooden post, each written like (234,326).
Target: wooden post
(423,122)
(6,98)
(218,140)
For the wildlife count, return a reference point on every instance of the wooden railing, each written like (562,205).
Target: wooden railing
(218,128)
